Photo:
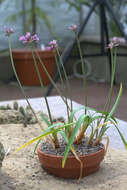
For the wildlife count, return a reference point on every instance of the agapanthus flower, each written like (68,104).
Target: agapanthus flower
(115,41)
(110,45)
(28,38)
(73,27)
(35,37)
(118,40)
(53,44)
(8,31)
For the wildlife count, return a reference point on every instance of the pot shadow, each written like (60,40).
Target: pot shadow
(108,174)
(9,183)
(6,182)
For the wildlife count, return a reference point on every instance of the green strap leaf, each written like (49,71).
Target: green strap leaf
(64,136)
(73,151)
(104,129)
(74,112)
(47,132)
(38,142)
(116,104)
(73,135)
(122,137)
(45,119)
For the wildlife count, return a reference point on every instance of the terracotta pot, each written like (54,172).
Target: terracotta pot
(53,164)
(26,69)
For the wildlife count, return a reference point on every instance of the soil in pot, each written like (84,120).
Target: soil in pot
(90,157)
(25,67)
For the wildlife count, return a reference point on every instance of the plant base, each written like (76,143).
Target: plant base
(53,164)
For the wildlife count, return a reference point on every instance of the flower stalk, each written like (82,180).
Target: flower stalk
(74,29)
(84,126)
(67,81)
(113,58)
(62,81)
(52,81)
(59,63)
(42,86)
(22,90)
(55,139)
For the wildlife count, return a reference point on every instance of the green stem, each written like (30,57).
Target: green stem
(64,71)
(66,79)
(108,103)
(56,143)
(83,71)
(62,82)
(113,58)
(42,86)
(22,90)
(58,68)
(52,81)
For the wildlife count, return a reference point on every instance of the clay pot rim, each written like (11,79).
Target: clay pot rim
(80,156)
(27,53)
(28,50)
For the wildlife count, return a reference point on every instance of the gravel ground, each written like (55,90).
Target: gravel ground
(22,171)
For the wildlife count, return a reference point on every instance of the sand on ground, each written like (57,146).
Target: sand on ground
(22,171)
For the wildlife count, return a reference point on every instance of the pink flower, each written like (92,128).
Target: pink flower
(28,38)
(73,27)
(35,37)
(8,31)
(115,41)
(53,44)
(48,48)
(110,46)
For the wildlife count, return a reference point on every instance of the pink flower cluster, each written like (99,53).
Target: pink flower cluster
(8,31)
(52,45)
(115,41)
(28,38)
(73,27)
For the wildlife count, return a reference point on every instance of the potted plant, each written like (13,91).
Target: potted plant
(68,152)
(23,57)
